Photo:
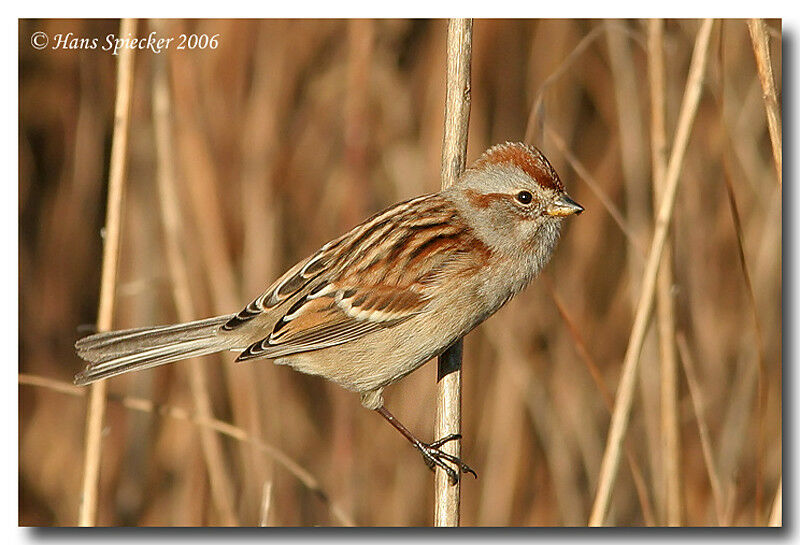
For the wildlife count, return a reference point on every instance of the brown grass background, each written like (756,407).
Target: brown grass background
(291,132)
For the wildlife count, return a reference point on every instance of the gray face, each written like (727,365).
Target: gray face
(511,211)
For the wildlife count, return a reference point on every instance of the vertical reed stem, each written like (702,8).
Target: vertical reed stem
(696,394)
(213,452)
(454,156)
(670,430)
(87,515)
(630,366)
(760,38)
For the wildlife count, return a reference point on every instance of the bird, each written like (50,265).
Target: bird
(375,304)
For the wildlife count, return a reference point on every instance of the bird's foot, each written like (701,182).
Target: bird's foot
(434,456)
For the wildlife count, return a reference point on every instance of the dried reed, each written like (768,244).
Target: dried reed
(205,423)
(776,515)
(221,489)
(447,510)
(108,284)
(696,393)
(760,38)
(285,132)
(624,397)
(665,312)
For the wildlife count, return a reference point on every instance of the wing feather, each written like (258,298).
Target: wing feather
(376,276)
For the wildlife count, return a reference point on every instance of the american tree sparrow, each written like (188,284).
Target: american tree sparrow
(375,304)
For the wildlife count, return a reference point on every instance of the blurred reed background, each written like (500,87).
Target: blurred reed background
(291,132)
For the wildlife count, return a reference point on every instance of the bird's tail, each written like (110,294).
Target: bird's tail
(115,352)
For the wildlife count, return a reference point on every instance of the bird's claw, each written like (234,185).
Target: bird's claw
(434,456)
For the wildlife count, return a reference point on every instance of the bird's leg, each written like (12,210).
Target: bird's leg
(431,454)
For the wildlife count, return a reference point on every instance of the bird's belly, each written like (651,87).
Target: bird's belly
(380,358)
(385,356)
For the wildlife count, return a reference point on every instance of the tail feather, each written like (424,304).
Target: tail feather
(115,352)
(120,342)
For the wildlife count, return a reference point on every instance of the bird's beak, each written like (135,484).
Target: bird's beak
(563,206)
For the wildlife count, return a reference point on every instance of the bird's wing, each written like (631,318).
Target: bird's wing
(336,315)
(376,276)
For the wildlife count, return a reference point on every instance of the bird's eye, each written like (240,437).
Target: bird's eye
(524,197)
